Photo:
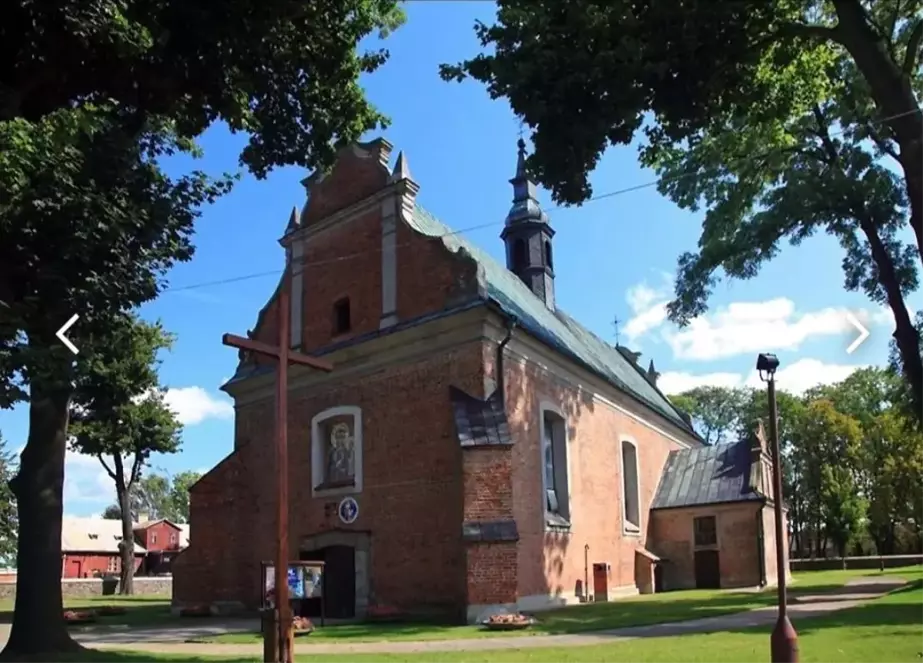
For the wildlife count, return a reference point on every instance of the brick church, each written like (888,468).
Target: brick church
(490,451)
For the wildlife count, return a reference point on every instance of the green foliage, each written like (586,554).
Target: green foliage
(118,410)
(9,523)
(781,118)
(179,495)
(112,512)
(285,71)
(714,410)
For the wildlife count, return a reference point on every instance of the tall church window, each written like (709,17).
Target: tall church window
(336,451)
(631,494)
(556,491)
(519,254)
(549,263)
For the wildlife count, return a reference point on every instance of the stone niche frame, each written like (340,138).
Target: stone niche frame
(361,543)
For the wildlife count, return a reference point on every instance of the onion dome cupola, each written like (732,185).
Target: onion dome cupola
(527,234)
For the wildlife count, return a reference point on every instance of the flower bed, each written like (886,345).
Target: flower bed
(302,626)
(73,617)
(196,611)
(510,622)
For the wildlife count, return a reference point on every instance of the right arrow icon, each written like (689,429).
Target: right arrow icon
(863,333)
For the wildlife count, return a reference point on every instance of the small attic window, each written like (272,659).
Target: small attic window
(341,316)
(93,537)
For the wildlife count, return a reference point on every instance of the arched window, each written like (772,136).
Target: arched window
(549,263)
(336,451)
(631,494)
(519,254)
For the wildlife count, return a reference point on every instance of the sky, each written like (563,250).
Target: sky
(615,258)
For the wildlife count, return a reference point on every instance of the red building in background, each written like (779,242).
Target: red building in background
(90,546)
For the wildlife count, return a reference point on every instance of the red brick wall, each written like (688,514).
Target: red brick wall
(672,533)
(552,563)
(411,501)
(491,573)
(88,565)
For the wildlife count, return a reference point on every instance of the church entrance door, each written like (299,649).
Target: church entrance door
(340,581)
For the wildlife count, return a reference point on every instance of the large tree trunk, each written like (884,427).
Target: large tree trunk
(38,617)
(905,333)
(127,544)
(890,85)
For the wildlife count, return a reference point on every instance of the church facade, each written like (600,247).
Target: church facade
(474,448)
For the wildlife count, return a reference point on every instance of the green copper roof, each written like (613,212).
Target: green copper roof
(556,329)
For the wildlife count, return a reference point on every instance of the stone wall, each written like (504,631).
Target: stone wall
(73,588)
(831,563)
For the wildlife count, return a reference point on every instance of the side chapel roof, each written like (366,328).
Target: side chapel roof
(707,475)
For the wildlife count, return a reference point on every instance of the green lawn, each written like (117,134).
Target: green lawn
(887,629)
(637,611)
(139,610)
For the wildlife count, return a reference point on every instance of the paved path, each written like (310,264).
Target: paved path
(171,640)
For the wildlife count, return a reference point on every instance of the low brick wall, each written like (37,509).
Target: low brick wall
(73,588)
(831,563)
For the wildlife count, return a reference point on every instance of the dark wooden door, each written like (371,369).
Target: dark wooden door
(707,569)
(340,582)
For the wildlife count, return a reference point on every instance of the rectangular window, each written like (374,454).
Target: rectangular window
(341,316)
(630,487)
(173,538)
(705,531)
(153,537)
(554,470)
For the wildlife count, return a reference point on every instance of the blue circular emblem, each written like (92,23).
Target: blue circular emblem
(348,510)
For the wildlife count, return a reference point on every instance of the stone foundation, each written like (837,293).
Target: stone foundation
(74,588)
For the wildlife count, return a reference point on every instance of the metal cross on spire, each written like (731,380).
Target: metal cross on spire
(615,325)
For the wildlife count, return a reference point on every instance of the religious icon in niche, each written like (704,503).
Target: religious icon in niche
(341,457)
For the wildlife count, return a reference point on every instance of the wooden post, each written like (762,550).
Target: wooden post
(282,633)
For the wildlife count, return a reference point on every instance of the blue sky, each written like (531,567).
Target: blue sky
(614,257)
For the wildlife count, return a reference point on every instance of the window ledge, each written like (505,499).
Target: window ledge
(631,530)
(330,488)
(555,522)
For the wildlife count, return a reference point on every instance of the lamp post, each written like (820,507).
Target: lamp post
(783,642)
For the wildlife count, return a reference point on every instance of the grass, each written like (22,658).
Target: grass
(886,629)
(139,610)
(638,611)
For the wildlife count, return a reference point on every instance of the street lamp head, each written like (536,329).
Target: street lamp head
(767,363)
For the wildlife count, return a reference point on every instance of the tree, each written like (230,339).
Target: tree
(153,496)
(8,519)
(120,417)
(179,495)
(112,512)
(90,224)
(779,116)
(714,410)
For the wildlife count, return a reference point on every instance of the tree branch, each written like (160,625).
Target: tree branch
(136,468)
(806,31)
(106,467)
(913,49)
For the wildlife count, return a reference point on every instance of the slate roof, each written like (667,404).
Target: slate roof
(706,475)
(556,329)
(479,422)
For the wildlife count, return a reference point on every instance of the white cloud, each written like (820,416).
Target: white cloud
(86,482)
(795,378)
(193,405)
(741,327)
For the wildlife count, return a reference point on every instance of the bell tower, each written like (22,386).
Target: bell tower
(527,234)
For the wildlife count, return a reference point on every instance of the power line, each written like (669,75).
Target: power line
(603,196)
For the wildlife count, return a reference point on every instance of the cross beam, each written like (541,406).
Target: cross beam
(282,653)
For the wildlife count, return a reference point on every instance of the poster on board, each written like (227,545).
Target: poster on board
(305,581)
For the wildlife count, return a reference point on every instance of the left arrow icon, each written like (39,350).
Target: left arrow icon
(63,330)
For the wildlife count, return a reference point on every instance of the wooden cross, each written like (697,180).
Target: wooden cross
(282,653)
